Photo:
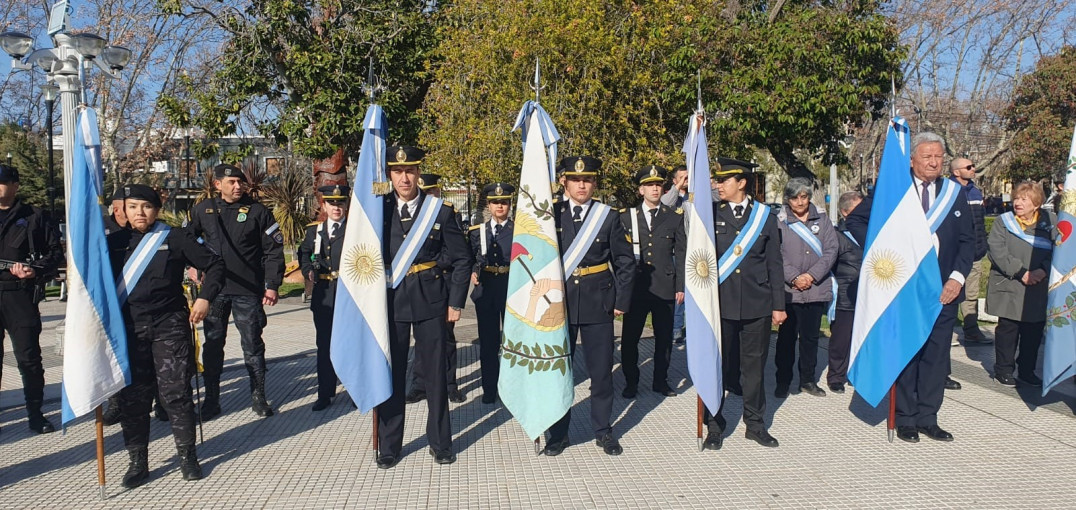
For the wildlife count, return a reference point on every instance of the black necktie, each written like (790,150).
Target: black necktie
(578,216)
(496,230)
(335,232)
(737,211)
(653,213)
(405,214)
(926,197)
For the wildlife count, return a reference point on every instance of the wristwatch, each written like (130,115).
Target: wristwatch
(456,308)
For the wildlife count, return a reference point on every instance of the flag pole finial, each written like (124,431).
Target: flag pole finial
(537,86)
(372,86)
(698,91)
(892,96)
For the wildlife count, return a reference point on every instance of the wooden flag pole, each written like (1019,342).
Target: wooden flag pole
(538,446)
(891,422)
(375,441)
(100,452)
(698,428)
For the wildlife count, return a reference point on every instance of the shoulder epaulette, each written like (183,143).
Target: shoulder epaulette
(313,223)
(473,227)
(679,210)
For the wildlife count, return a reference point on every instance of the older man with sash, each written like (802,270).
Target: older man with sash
(598,269)
(420,231)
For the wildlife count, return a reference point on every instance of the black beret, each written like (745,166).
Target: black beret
(427,181)
(498,191)
(404,155)
(728,167)
(225,170)
(118,195)
(8,174)
(580,165)
(334,192)
(649,174)
(142,192)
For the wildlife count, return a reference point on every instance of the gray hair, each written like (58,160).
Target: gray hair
(926,137)
(797,186)
(847,199)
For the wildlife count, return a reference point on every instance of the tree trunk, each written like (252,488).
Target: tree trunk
(329,172)
(791,164)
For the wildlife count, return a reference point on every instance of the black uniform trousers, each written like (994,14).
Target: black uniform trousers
(921,386)
(429,359)
(597,340)
(249,319)
(418,378)
(490,309)
(21,318)
(323,298)
(662,312)
(804,321)
(1008,336)
(745,344)
(162,359)
(840,346)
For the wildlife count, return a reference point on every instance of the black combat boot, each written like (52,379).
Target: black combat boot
(188,463)
(138,469)
(112,415)
(972,333)
(38,422)
(211,406)
(257,397)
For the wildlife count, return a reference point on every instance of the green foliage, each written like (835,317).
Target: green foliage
(1043,113)
(284,197)
(535,358)
(29,155)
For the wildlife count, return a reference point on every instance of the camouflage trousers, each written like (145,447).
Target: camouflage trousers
(162,358)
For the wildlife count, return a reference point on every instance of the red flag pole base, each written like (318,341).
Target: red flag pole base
(374,440)
(698,427)
(100,426)
(891,422)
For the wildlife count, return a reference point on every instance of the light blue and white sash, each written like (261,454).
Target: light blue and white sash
(587,232)
(139,260)
(850,237)
(1009,220)
(943,203)
(808,237)
(424,221)
(742,244)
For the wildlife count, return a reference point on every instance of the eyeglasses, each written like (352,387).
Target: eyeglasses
(969,167)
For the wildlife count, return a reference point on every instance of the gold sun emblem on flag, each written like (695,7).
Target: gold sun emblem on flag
(702,268)
(885,268)
(363,264)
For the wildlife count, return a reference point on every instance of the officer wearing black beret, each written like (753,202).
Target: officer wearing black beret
(491,243)
(158,321)
(319,262)
(597,288)
(30,252)
(657,241)
(426,231)
(246,235)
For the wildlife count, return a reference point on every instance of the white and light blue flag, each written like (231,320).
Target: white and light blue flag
(535,381)
(702,310)
(360,338)
(1059,354)
(900,281)
(95,341)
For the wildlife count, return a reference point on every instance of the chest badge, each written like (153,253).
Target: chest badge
(814,229)
(242,216)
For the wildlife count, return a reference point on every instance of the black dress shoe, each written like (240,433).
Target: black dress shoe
(936,433)
(415,396)
(1029,379)
(781,391)
(457,396)
(762,437)
(443,456)
(735,389)
(666,391)
(907,434)
(554,448)
(1005,379)
(812,389)
(321,405)
(950,384)
(713,441)
(629,392)
(974,336)
(489,398)
(386,461)
(836,387)
(609,445)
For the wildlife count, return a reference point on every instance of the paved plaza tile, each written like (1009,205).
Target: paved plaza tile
(1012,449)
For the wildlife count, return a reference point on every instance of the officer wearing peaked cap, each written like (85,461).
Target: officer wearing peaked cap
(319,262)
(658,241)
(491,243)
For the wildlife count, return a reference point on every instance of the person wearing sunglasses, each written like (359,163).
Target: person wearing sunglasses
(963,172)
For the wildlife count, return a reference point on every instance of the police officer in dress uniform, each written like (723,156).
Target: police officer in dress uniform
(420,301)
(752,297)
(597,290)
(491,243)
(159,336)
(319,261)
(431,185)
(30,241)
(658,241)
(248,238)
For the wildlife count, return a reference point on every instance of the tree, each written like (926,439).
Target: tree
(29,155)
(1042,116)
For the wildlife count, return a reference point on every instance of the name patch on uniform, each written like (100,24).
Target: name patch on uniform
(437,226)
(719,223)
(163,247)
(209,211)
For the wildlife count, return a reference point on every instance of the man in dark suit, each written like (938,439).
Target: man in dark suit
(491,243)
(420,301)
(658,241)
(319,262)
(597,289)
(921,386)
(752,297)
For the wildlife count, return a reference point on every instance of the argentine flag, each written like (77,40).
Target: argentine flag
(900,280)
(360,339)
(95,340)
(702,311)
(1059,353)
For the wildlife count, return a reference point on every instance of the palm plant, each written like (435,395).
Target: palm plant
(286,195)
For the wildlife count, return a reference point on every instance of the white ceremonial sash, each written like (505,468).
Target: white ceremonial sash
(742,244)
(482,239)
(1009,220)
(424,221)
(942,204)
(587,232)
(635,233)
(139,260)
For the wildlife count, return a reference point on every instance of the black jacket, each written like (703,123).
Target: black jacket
(252,249)
(846,271)
(27,233)
(591,299)
(498,254)
(660,270)
(755,288)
